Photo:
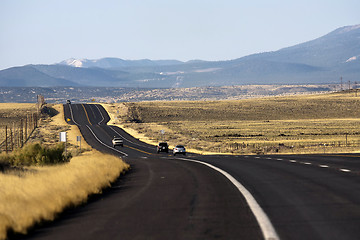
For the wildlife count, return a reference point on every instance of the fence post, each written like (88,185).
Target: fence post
(6,140)
(21,133)
(11,140)
(36,120)
(346,139)
(31,123)
(26,128)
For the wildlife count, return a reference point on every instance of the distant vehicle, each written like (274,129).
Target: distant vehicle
(68,101)
(179,149)
(162,147)
(117,141)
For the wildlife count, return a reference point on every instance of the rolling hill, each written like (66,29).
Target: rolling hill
(29,76)
(323,60)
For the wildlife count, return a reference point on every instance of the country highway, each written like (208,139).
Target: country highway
(211,197)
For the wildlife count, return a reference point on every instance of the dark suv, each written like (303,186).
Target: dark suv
(162,147)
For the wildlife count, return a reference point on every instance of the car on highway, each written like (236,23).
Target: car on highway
(117,141)
(179,149)
(162,147)
(68,101)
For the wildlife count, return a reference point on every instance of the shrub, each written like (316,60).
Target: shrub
(36,154)
(4,163)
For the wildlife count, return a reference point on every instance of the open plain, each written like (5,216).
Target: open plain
(292,124)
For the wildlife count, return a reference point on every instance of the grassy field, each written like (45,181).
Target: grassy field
(32,194)
(295,124)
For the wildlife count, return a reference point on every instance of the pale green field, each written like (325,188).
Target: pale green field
(300,124)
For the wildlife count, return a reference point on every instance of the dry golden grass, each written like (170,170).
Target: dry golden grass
(300,124)
(40,193)
(17,106)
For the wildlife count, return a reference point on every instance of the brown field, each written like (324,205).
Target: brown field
(295,124)
(34,194)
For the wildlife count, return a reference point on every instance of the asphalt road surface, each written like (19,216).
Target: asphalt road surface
(211,197)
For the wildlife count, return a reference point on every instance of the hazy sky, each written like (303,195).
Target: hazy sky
(46,31)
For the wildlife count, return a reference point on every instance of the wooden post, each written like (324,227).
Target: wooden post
(26,127)
(36,120)
(6,140)
(14,131)
(31,122)
(346,138)
(11,140)
(14,135)
(21,133)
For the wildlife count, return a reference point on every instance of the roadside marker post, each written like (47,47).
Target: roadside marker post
(78,139)
(162,133)
(63,139)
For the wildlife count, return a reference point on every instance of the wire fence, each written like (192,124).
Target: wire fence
(325,146)
(19,132)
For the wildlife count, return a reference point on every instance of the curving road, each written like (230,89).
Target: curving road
(166,197)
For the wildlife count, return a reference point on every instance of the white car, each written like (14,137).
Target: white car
(117,141)
(179,149)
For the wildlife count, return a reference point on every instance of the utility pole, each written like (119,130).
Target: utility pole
(341,84)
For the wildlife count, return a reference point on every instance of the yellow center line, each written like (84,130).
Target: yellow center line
(138,149)
(87,116)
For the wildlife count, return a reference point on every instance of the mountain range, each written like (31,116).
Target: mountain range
(323,60)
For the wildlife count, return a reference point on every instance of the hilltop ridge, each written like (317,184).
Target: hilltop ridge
(319,61)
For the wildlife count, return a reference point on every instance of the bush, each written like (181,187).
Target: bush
(35,154)
(4,164)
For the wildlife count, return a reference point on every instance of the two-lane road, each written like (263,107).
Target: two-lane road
(166,197)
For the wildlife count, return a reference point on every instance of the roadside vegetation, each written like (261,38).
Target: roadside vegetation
(36,154)
(291,124)
(38,181)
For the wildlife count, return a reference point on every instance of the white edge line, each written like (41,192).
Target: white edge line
(104,143)
(72,116)
(263,220)
(100,114)
(128,139)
